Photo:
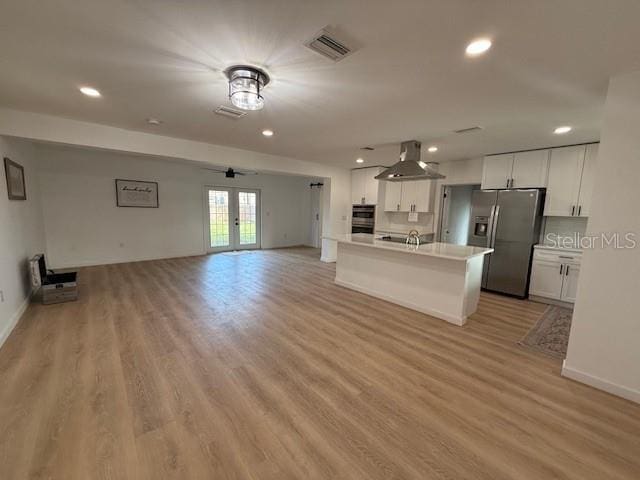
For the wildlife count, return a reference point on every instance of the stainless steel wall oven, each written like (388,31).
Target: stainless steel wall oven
(363,219)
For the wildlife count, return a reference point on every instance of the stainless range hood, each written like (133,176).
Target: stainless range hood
(410,167)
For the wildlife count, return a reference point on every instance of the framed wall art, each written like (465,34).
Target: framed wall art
(136,193)
(16,188)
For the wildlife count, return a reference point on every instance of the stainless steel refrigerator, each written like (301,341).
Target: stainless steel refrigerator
(509,222)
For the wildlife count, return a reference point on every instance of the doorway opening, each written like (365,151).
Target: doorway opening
(455,212)
(232,218)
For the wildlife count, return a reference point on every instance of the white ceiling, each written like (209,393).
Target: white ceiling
(409,79)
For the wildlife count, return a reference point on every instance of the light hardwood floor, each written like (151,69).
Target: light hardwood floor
(259,367)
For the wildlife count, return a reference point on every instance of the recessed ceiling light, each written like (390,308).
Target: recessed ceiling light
(153,121)
(478,47)
(267,133)
(561,130)
(360,160)
(432,149)
(90,92)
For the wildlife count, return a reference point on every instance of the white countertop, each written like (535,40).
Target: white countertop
(558,248)
(441,250)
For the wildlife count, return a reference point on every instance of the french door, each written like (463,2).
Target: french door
(232,218)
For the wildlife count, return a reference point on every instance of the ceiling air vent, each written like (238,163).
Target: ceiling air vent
(229,112)
(327,45)
(468,130)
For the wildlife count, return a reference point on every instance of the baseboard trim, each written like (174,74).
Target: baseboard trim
(551,301)
(459,321)
(600,383)
(15,318)
(98,263)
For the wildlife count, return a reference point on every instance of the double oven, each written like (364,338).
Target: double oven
(363,219)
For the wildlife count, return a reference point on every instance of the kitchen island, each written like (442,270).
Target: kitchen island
(439,279)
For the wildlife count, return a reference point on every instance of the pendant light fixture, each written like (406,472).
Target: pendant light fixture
(245,86)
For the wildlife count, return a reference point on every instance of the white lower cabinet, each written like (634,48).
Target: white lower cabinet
(554,274)
(546,279)
(570,283)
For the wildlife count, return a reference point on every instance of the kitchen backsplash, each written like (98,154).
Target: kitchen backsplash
(568,227)
(398,222)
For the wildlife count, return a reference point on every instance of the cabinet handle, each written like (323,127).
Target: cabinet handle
(579,209)
(573,210)
(561,269)
(566,270)
(507,183)
(362,200)
(398,207)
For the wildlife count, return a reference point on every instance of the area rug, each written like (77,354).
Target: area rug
(550,334)
(237,252)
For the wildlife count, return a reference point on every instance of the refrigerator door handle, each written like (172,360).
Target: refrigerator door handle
(494,226)
(490,226)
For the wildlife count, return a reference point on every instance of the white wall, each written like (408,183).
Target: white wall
(462,172)
(21,235)
(604,346)
(85,227)
(336,201)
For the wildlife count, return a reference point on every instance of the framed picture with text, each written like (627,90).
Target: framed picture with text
(136,193)
(16,188)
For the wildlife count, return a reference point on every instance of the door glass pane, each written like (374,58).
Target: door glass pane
(248,218)
(219,218)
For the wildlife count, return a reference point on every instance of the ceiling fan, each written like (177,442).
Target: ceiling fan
(230,172)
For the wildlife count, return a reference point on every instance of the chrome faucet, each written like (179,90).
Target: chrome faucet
(413,238)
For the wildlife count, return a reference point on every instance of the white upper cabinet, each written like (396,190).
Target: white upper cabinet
(357,187)
(424,196)
(588,178)
(519,170)
(496,171)
(568,174)
(364,186)
(563,188)
(530,169)
(392,196)
(371,185)
(410,196)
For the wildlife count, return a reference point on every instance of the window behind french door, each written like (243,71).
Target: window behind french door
(233,218)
